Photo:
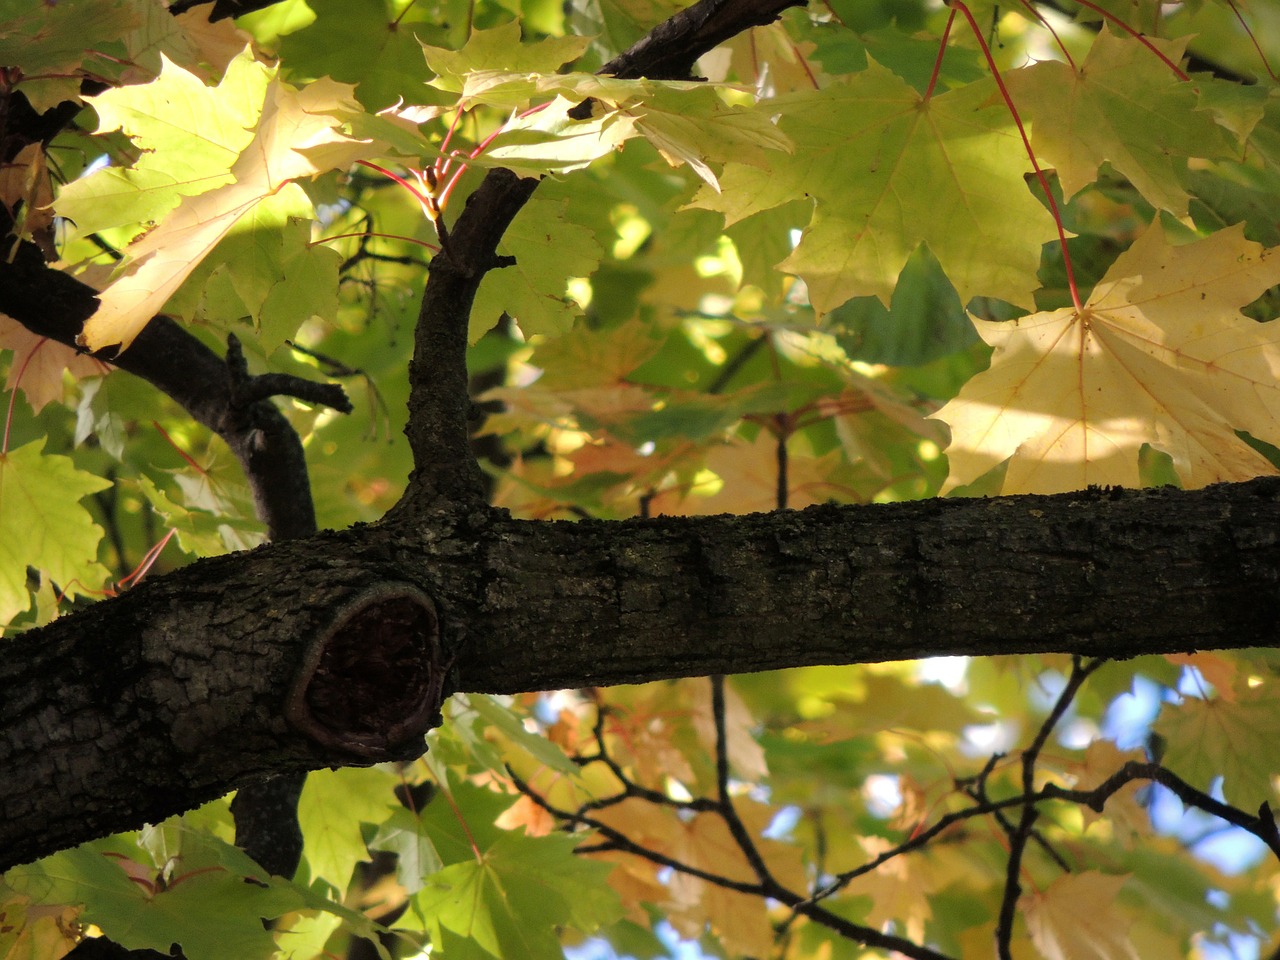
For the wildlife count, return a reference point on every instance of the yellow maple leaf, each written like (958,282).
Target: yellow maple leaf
(1076,918)
(749,475)
(1159,355)
(746,756)
(900,889)
(704,842)
(1126,818)
(38,363)
(298,135)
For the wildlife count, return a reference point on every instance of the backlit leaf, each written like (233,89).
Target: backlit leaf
(889,171)
(1076,918)
(1160,355)
(45,526)
(1123,106)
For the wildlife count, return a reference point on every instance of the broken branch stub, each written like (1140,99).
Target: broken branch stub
(372,684)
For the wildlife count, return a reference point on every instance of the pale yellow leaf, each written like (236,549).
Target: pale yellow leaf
(299,135)
(1159,355)
(1076,918)
(899,889)
(38,363)
(746,756)
(740,920)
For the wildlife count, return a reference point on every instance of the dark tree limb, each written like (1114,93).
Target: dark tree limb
(177,691)
(223,9)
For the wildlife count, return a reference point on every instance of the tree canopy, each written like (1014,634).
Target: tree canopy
(804,474)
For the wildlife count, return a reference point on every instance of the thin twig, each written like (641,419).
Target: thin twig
(1018,839)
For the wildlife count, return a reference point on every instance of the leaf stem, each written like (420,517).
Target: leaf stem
(428,202)
(1026,143)
(1066,54)
(1266,65)
(942,52)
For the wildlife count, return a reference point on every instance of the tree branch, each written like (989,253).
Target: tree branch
(168,695)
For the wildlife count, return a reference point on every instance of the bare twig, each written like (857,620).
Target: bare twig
(1080,672)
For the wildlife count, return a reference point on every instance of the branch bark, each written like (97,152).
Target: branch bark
(172,694)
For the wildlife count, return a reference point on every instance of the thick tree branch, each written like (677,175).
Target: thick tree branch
(171,694)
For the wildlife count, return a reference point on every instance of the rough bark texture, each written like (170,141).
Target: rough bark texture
(174,693)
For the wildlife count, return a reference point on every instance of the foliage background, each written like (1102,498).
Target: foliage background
(644,355)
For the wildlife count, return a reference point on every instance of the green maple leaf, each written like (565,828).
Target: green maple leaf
(45,526)
(46,42)
(1125,106)
(1218,737)
(509,902)
(549,251)
(213,914)
(188,136)
(510,726)
(375,44)
(333,805)
(200,532)
(500,49)
(404,834)
(202,893)
(888,171)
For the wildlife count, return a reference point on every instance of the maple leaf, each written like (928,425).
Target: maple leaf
(511,901)
(746,756)
(298,133)
(888,171)
(38,363)
(500,48)
(26,192)
(175,159)
(549,250)
(1216,737)
(1127,818)
(1122,105)
(46,43)
(1076,918)
(705,842)
(1159,355)
(552,140)
(900,889)
(749,475)
(217,42)
(688,123)
(45,526)
(331,808)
